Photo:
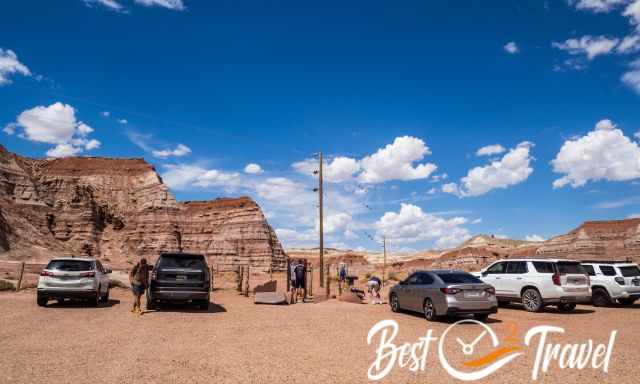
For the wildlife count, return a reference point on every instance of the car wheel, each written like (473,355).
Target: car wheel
(481,316)
(395,304)
(600,298)
(502,303)
(151,305)
(531,300)
(95,301)
(566,307)
(626,302)
(429,310)
(105,298)
(203,305)
(42,301)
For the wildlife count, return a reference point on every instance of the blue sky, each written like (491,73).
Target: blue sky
(395,95)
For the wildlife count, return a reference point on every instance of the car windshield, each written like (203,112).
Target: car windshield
(459,278)
(181,261)
(631,271)
(571,268)
(69,265)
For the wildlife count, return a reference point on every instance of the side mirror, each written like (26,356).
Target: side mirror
(108,270)
(484,273)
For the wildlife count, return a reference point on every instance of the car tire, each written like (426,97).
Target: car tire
(203,305)
(429,310)
(105,298)
(483,317)
(600,298)
(502,303)
(626,302)
(394,303)
(566,307)
(95,301)
(150,305)
(532,300)
(42,301)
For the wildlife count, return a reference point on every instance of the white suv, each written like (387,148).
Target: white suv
(613,281)
(539,282)
(73,278)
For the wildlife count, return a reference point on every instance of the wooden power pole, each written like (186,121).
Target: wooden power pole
(384,257)
(321,218)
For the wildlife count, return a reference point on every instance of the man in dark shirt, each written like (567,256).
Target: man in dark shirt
(299,285)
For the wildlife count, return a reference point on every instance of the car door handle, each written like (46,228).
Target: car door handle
(518,278)
(498,278)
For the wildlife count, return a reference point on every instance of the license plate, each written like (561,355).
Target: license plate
(181,277)
(575,281)
(472,294)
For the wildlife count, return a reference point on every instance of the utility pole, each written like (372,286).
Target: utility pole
(384,257)
(321,218)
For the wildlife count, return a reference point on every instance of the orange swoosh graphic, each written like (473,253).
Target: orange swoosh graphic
(491,357)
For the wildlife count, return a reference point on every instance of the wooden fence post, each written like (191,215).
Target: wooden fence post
(328,282)
(247,273)
(211,276)
(311,281)
(339,281)
(240,277)
(20,273)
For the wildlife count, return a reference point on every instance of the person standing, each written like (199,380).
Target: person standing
(139,279)
(343,271)
(300,271)
(375,286)
(292,280)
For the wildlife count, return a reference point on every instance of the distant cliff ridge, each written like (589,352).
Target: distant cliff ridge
(120,210)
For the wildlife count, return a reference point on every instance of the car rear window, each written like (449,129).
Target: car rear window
(182,261)
(608,270)
(70,265)
(590,270)
(630,271)
(459,278)
(543,267)
(570,268)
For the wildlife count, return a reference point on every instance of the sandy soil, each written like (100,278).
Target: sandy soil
(239,342)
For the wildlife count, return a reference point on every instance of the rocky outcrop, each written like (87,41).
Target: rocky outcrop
(120,210)
(598,240)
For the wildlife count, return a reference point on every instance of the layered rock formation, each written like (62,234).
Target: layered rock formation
(598,240)
(120,210)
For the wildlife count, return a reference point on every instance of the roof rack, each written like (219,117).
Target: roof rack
(607,261)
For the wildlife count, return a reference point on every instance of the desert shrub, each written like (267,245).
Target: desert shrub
(6,285)
(394,276)
(368,275)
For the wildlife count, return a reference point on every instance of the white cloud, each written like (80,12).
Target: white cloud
(513,168)
(337,170)
(10,65)
(597,6)
(105,113)
(179,151)
(110,4)
(185,176)
(511,47)
(253,169)
(629,44)
(634,216)
(337,222)
(633,12)
(395,162)
(432,191)
(476,221)
(603,154)
(534,237)
(632,77)
(588,45)
(489,150)
(411,224)
(177,5)
(55,124)
(123,121)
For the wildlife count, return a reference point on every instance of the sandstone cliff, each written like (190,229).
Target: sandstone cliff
(119,210)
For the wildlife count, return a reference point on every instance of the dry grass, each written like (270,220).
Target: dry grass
(7,286)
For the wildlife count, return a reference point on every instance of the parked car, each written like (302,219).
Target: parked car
(179,277)
(613,281)
(73,278)
(537,283)
(444,292)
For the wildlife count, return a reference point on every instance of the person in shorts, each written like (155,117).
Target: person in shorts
(139,279)
(300,271)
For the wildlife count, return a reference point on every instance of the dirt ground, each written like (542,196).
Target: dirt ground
(237,341)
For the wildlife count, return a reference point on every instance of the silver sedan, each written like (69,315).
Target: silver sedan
(444,292)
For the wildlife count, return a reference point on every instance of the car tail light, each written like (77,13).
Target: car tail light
(46,273)
(619,280)
(556,279)
(88,274)
(491,291)
(449,291)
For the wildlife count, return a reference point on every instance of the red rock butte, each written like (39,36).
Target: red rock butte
(120,210)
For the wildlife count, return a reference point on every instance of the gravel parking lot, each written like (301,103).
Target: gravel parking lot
(239,342)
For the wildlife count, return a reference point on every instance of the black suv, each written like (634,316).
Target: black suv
(180,277)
